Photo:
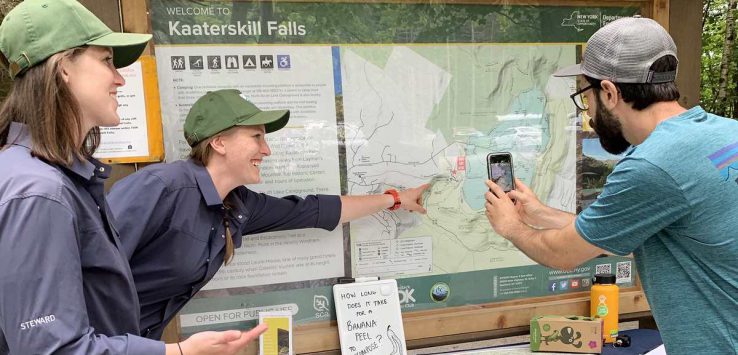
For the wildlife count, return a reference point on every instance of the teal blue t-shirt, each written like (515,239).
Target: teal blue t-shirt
(673,202)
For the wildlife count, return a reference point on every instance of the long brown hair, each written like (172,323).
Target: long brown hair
(42,101)
(201,153)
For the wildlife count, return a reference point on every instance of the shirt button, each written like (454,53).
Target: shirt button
(212,229)
(98,208)
(208,259)
(101,169)
(240,216)
(223,236)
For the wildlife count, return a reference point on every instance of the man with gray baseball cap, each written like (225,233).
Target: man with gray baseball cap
(670,201)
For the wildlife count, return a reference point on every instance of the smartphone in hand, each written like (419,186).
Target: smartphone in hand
(500,170)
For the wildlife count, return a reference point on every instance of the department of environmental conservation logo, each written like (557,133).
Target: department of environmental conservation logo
(578,20)
(440,292)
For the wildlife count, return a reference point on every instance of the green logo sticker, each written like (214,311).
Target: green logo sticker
(602,310)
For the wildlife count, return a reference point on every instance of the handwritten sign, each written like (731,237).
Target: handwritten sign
(369,318)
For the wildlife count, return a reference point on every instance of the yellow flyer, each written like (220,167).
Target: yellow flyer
(277,340)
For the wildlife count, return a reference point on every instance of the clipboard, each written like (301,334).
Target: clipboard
(369,318)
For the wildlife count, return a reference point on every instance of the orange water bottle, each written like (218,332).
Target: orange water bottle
(604,304)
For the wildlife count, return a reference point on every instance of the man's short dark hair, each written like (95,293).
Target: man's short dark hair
(643,95)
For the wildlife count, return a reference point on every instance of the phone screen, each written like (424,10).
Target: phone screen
(501,171)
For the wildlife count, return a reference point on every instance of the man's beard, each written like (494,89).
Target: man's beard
(609,130)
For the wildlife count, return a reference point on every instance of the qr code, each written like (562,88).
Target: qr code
(603,269)
(623,274)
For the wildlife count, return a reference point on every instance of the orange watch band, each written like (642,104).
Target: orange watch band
(396,196)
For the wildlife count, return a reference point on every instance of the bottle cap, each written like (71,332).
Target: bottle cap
(604,279)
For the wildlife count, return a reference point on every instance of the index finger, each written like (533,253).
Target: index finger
(249,336)
(420,209)
(497,190)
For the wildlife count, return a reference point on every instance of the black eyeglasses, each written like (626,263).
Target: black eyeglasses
(580,101)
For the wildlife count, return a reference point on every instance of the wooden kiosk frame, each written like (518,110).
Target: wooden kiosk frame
(485,321)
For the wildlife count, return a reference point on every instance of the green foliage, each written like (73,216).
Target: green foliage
(713,42)
(5,82)
(595,172)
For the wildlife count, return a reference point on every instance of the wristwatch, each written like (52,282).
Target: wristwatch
(396,196)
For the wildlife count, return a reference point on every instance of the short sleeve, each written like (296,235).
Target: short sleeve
(638,200)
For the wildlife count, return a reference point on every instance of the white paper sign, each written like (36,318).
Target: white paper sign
(130,138)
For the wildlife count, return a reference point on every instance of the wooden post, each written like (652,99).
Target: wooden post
(688,38)
(135,16)
(661,12)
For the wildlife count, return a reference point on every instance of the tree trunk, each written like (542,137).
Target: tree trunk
(705,13)
(721,102)
(734,98)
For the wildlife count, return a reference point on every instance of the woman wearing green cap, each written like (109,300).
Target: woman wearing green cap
(181,221)
(65,284)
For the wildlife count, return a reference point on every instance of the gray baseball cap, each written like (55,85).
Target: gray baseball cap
(623,52)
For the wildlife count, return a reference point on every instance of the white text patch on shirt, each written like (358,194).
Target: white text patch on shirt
(38,321)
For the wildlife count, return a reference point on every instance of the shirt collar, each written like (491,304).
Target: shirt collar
(19,135)
(86,169)
(101,170)
(205,183)
(697,110)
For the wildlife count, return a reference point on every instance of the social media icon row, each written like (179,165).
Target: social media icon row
(563,285)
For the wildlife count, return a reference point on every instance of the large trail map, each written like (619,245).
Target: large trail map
(475,99)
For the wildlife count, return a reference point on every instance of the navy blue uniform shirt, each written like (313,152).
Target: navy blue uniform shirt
(170,218)
(65,284)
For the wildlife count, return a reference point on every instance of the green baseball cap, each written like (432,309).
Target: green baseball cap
(219,110)
(36,29)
